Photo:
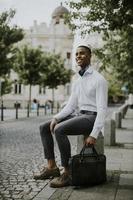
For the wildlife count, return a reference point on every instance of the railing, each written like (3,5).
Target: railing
(17,112)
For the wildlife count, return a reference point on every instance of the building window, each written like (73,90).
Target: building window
(17,87)
(42,90)
(68,55)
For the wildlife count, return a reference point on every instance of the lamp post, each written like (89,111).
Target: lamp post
(2,118)
(0,88)
(1,80)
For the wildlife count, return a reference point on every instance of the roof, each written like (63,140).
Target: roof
(59,11)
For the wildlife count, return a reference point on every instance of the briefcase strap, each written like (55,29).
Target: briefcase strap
(94,152)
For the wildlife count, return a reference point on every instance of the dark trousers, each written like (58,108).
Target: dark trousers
(73,125)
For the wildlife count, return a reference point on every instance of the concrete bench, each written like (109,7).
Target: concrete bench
(123,110)
(110,132)
(99,143)
(117,116)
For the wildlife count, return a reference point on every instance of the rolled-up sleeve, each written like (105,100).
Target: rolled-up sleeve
(101,103)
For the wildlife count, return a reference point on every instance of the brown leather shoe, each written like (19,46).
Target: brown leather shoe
(47,173)
(62,181)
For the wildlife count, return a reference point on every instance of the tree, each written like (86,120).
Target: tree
(54,73)
(28,65)
(117,54)
(9,35)
(6,86)
(114,19)
(35,67)
(100,15)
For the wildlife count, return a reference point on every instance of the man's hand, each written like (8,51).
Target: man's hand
(90,140)
(52,125)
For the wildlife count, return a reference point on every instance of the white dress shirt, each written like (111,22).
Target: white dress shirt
(89,92)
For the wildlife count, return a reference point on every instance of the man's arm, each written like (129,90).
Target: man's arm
(67,110)
(101,102)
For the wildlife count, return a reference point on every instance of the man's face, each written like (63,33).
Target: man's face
(82,57)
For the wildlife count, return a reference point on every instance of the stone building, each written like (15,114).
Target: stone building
(55,38)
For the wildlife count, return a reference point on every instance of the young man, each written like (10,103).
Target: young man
(89,94)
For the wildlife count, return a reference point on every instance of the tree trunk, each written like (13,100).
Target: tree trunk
(30,97)
(53,96)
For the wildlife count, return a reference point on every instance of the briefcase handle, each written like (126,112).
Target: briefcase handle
(94,152)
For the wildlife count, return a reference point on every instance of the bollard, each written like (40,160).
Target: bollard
(99,143)
(52,108)
(45,108)
(109,132)
(37,110)
(2,111)
(118,119)
(123,110)
(28,110)
(58,107)
(16,106)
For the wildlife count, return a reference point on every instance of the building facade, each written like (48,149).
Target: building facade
(55,38)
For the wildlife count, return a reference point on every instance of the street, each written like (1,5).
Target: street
(21,154)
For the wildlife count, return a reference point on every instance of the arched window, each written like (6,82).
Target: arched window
(17,87)
(42,90)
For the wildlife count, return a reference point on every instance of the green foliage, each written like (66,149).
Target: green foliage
(6,86)
(35,67)
(28,65)
(114,19)
(117,54)
(55,74)
(100,15)
(114,86)
(9,35)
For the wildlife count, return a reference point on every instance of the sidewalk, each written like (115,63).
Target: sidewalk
(119,185)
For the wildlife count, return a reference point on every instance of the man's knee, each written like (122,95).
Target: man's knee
(44,128)
(58,130)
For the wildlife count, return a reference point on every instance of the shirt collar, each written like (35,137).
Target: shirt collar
(88,70)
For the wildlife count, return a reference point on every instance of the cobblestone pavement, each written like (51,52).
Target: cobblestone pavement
(21,153)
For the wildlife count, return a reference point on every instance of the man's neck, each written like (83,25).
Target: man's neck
(85,67)
(82,70)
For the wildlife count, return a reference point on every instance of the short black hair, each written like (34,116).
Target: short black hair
(85,48)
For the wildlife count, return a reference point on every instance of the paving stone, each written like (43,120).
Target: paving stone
(36,189)
(21,154)
(62,193)
(46,193)
(5,192)
(7,196)
(124,194)
(126,179)
(30,195)
(17,196)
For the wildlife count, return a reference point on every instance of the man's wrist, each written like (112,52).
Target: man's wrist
(92,137)
(55,119)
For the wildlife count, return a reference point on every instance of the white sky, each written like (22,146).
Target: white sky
(29,10)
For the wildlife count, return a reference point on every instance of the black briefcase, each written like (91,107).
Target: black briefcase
(88,167)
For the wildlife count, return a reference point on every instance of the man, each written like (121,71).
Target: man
(89,94)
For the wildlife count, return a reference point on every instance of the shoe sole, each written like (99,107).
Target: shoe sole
(59,186)
(46,177)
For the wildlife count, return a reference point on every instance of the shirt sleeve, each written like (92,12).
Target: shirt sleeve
(70,106)
(101,103)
